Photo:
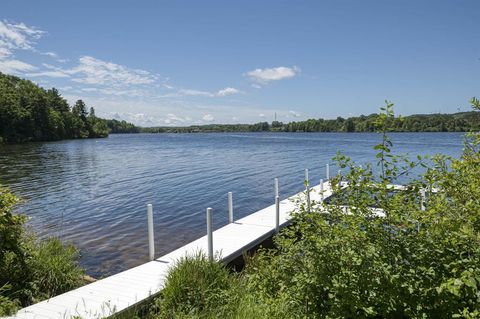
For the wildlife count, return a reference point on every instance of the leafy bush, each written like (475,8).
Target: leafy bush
(408,262)
(30,270)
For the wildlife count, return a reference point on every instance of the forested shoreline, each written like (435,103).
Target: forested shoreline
(29,112)
(456,122)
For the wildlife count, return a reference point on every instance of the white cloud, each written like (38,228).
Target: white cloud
(208,118)
(51,74)
(154,112)
(17,36)
(224,92)
(173,119)
(294,114)
(15,66)
(105,77)
(51,54)
(90,89)
(95,71)
(194,92)
(54,56)
(261,115)
(227,91)
(272,74)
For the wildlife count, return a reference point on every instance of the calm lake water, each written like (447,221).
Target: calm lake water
(94,192)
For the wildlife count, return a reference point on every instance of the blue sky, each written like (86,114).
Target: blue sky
(200,62)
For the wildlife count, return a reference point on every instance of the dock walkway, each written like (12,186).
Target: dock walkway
(119,292)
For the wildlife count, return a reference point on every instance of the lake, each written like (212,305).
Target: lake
(94,192)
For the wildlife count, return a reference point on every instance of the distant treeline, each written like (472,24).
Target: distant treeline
(457,122)
(31,113)
(121,127)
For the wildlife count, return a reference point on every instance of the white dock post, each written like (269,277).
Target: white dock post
(307,188)
(210,234)
(230,207)
(328,171)
(276,187)
(277,214)
(151,243)
(422,199)
(321,188)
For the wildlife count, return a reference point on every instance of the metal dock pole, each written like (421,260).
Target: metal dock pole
(151,242)
(230,207)
(277,214)
(276,187)
(209,234)
(321,188)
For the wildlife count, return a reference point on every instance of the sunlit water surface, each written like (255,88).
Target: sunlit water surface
(94,192)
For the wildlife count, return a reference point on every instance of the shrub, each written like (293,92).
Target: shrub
(54,268)
(409,263)
(194,285)
(199,288)
(31,270)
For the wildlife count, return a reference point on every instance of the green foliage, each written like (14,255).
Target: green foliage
(30,270)
(406,263)
(54,268)
(458,122)
(386,258)
(7,306)
(199,288)
(121,127)
(31,113)
(195,284)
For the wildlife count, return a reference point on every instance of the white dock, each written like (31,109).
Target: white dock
(119,292)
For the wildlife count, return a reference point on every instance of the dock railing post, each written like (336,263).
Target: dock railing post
(307,189)
(209,234)
(327,171)
(277,214)
(422,199)
(321,188)
(277,191)
(230,207)
(151,242)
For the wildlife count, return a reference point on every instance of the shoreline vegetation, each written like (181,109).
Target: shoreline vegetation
(420,260)
(30,113)
(32,270)
(455,122)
